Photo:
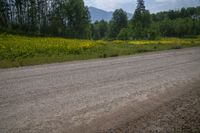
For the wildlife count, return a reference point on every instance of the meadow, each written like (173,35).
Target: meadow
(18,50)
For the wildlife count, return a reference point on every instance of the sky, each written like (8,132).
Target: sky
(152,5)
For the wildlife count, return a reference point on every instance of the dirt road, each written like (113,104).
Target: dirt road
(153,92)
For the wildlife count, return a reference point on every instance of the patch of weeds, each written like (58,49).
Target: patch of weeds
(103,55)
(142,50)
(114,55)
(177,47)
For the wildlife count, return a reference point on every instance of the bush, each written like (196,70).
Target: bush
(152,34)
(123,34)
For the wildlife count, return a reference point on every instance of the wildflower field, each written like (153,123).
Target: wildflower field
(18,50)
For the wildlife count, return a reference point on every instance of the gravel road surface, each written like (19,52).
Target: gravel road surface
(152,92)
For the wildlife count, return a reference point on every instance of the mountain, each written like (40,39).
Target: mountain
(99,14)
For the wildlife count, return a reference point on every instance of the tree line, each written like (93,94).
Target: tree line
(68,18)
(174,23)
(71,19)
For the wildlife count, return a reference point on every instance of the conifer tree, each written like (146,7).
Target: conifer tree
(141,20)
(140,5)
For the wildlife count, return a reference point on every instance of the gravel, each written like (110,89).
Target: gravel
(143,93)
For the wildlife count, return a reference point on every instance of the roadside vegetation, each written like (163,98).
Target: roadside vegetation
(18,50)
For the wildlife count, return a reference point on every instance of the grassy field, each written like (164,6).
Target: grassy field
(18,51)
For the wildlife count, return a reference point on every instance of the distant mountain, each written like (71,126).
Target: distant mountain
(99,14)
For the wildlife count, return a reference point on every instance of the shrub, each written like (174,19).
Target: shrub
(123,34)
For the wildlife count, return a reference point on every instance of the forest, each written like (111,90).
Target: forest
(71,19)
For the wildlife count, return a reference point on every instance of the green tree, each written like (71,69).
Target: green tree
(103,29)
(43,14)
(118,22)
(99,30)
(4,18)
(124,34)
(77,19)
(32,16)
(141,20)
(20,14)
(95,30)
(70,18)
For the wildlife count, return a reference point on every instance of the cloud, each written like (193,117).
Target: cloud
(160,5)
(152,5)
(109,5)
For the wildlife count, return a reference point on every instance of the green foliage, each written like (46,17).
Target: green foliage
(179,27)
(99,30)
(118,22)
(77,17)
(124,34)
(191,12)
(140,6)
(32,13)
(3,14)
(141,21)
(71,19)
(179,23)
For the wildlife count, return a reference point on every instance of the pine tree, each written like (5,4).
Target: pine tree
(139,10)
(141,20)
(140,5)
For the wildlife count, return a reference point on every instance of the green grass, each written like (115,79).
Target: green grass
(18,51)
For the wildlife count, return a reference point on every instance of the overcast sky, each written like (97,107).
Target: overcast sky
(152,5)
